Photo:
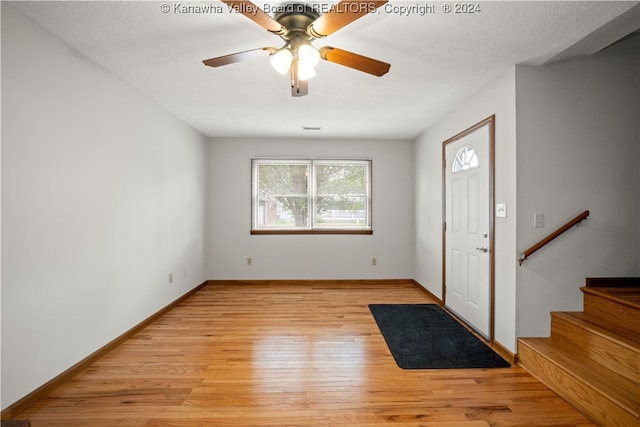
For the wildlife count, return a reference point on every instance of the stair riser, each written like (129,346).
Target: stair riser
(609,353)
(576,392)
(621,316)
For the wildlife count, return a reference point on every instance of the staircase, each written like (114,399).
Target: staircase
(592,358)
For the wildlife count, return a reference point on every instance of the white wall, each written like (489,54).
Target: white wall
(309,256)
(497,98)
(578,148)
(103,195)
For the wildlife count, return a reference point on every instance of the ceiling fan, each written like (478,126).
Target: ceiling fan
(298,25)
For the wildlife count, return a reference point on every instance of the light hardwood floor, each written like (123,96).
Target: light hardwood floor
(288,355)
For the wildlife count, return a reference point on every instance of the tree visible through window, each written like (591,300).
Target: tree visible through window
(311,195)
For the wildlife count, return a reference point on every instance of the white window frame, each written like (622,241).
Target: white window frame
(312,228)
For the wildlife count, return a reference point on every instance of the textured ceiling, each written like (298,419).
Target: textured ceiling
(437,59)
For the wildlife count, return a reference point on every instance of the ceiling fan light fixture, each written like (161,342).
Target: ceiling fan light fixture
(299,24)
(305,71)
(281,60)
(308,55)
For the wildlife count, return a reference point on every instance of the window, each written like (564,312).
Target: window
(466,158)
(311,196)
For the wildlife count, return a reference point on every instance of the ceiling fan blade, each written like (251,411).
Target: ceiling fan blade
(257,15)
(238,57)
(341,14)
(355,61)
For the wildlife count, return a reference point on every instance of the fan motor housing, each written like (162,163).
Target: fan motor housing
(296,16)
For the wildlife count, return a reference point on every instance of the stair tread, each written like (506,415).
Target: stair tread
(593,324)
(618,388)
(629,296)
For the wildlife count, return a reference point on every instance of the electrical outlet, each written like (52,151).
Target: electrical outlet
(249,261)
(374,261)
(186,270)
(538,220)
(170,277)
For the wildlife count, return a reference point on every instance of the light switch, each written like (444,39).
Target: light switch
(501,210)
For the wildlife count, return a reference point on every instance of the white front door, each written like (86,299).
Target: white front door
(468,231)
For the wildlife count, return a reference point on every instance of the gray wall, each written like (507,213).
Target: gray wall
(309,256)
(578,148)
(498,98)
(103,196)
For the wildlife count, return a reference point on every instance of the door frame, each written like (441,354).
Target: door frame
(489,121)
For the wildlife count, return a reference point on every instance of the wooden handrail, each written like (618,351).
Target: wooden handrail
(575,221)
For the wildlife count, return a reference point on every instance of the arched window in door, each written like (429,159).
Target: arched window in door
(466,158)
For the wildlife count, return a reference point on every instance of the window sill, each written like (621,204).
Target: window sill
(314,231)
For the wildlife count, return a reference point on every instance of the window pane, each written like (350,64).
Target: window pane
(286,191)
(283,179)
(340,179)
(341,195)
(283,212)
(466,158)
(340,212)
(283,200)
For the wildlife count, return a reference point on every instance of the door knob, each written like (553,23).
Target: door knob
(483,248)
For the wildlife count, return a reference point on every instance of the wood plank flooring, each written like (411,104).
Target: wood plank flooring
(288,355)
